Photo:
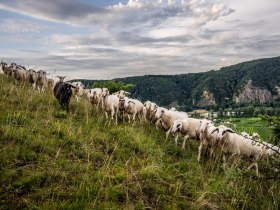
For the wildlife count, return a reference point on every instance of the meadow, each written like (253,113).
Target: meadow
(53,160)
(251,125)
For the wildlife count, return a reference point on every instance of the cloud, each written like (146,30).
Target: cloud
(66,11)
(77,12)
(134,38)
(19,26)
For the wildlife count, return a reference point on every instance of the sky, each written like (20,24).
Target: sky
(106,39)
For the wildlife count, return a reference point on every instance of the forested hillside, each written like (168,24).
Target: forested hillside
(255,81)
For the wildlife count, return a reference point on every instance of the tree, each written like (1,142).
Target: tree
(112,85)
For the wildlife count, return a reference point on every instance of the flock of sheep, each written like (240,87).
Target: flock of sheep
(118,106)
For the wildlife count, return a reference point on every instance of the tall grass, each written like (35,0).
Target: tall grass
(53,160)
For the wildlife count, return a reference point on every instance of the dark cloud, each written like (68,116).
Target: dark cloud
(58,10)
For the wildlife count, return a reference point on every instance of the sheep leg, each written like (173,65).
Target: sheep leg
(139,117)
(176,139)
(112,114)
(133,118)
(184,142)
(157,122)
(106,115)
(116,116)
(199,152)
(256,167)
(211,152)
(167,134)
(224,161)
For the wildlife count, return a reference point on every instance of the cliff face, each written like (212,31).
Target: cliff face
(250,93)
(207,99)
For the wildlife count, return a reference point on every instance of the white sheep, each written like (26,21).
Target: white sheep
(167,117)
(135,108)
(173,109)
(207,133)
(147,105)
(50,83)
(96,98)
(2,68)
(7,70)
(32,77)
(121,94)
(186,127)
(78,91)
(235,144)
(150,110)
(122,103)
(21,73)
(41,81)
(111,105)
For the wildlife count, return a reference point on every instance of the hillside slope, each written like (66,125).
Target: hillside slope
(253,81)
(52,160)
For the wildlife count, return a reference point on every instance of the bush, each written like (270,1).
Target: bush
(112,85)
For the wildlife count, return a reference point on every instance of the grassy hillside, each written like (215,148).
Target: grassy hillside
(52,160)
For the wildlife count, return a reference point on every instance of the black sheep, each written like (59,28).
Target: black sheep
(63,92)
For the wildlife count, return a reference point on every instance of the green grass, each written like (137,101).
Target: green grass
(253,124)
(53,160)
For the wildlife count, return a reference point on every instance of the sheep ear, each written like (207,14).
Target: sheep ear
(230,130)
(127,93)
(217,129)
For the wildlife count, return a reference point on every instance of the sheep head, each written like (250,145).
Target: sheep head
(176,127)
(223,131)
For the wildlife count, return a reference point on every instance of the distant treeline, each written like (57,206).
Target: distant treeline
(185,91)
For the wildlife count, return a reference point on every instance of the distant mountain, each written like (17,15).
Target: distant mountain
(255,81)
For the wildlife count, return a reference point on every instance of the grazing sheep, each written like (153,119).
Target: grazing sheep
(167,117)
(96,98)
(7,70)
(78,91)
(147,105)
(50,83)
(111,105)
(1,67)
(41,81)
(32,77)
(121,94)
(63,92)
(207,134)
(187,127)
(150,110)
(20,74)
(122,103)
(235,144)
(135,108)
(173,109)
